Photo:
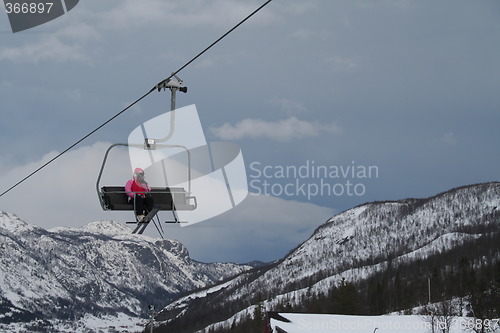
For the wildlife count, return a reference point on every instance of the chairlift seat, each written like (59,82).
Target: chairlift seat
(167,198)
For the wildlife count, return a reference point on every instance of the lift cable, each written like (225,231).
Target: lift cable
(158,86)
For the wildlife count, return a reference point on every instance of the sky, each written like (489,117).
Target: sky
(333,103)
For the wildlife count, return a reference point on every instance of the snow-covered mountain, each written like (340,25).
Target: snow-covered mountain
(101,269)
(66,280)
(352,245)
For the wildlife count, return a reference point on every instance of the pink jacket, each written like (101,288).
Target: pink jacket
(128,187)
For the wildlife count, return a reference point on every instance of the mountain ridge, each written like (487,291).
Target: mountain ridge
(100,269)
(355,244)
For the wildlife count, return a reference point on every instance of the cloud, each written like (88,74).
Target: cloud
(76,40)
(448,138)
(214,13)
(260,228)
(341,64)
(288,106)
(402,4)
(63,193)
(299,7)
(206,63)
(68,44)
(282,130)
(48,48)
(301,34)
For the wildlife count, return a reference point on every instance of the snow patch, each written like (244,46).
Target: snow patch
(13,224)
(121,322)
(110,228)
(326,323)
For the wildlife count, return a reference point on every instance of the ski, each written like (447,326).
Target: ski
(141,225)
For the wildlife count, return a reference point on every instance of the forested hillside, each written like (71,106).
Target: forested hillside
(375,258)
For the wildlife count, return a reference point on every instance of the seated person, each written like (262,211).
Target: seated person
(138,190)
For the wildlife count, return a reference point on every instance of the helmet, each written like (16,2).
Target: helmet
(138,172)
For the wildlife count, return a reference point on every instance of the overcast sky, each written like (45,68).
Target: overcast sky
(364,100)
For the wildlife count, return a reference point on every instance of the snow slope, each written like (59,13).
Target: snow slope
(324,323)
(67,274)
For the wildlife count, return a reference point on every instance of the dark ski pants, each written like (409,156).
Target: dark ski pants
(143,205)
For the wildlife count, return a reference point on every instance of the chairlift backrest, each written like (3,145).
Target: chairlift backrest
(167,198)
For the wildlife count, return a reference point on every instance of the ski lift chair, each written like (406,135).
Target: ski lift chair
(165,198)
